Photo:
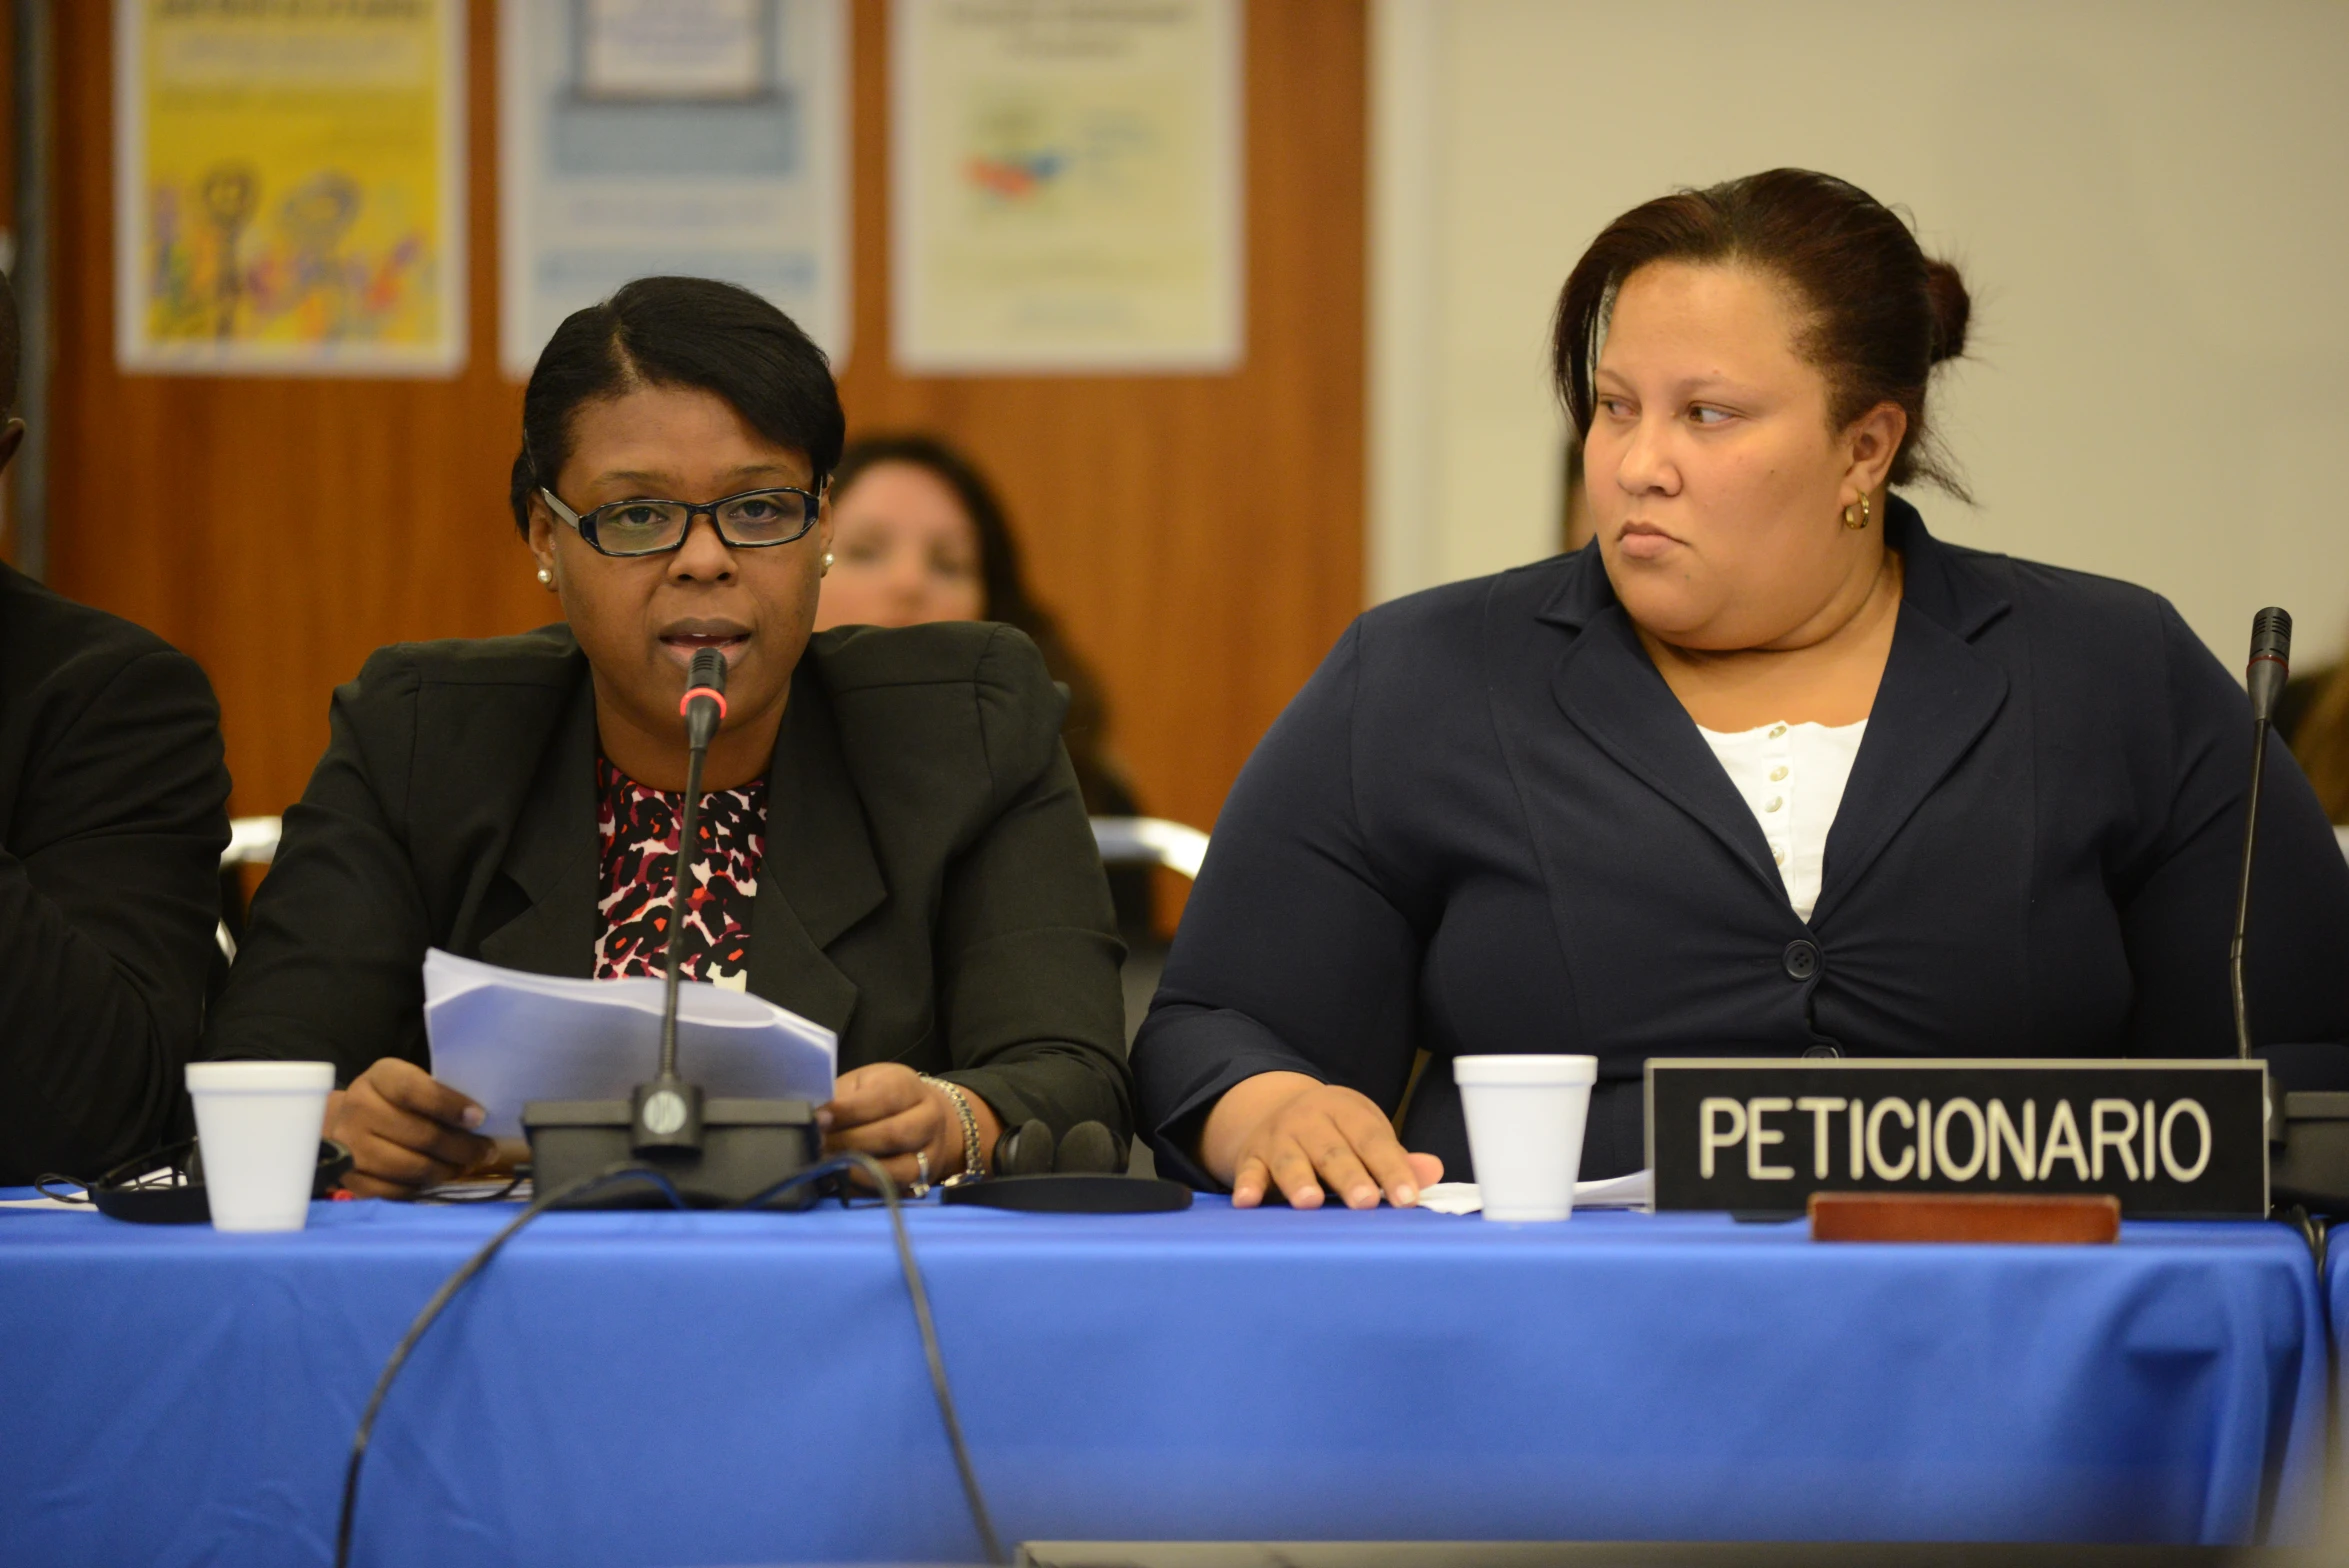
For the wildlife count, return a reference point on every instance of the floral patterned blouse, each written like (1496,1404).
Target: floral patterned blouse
(637,826)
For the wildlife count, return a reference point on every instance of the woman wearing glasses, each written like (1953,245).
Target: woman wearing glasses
(896,844)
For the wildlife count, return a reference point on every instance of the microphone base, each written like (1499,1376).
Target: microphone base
(746,1147)
(1072,1192)
(2310,1166)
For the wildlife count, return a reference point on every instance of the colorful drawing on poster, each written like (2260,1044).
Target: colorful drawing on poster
(287,186)
(1066,185)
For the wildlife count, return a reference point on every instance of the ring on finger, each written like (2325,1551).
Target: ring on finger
(921,1186)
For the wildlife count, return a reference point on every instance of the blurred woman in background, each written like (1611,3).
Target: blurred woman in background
(920,536)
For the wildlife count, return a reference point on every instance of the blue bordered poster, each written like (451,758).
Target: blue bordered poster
(704,137)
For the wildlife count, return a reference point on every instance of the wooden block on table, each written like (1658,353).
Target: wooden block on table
(2071,1218)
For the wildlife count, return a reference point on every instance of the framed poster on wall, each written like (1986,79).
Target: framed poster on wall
(1067,190)
(642,137)
(289,188)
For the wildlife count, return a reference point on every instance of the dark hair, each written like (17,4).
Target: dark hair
(1006,599)
(1883,314)
(679,332)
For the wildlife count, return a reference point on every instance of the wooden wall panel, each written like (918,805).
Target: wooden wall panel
(1200,535)
(279,529)
(8,160)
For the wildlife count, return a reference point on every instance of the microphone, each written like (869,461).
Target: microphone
(2271,666)
(715,1153)
(1084,1174)
(1090,1149)
(1027,1150)
(667,1112)
(2307,1129)
(2271,661)
(704,702)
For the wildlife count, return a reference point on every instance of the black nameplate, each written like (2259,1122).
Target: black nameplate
(2177,1139)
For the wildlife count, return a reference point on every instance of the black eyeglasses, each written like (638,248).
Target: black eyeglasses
(752,520)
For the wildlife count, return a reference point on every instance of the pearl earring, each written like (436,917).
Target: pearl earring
(827,571)
(546,578)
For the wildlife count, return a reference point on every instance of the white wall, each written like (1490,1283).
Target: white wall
(2150,202)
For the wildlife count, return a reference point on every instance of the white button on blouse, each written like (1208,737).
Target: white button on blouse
(1791,776)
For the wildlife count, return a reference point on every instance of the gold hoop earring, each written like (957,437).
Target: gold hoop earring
(1866,509)
(826,571)
(546,578)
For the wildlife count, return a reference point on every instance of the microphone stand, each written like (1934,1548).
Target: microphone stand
(2259,733)
(2307,1130)
(2271,663)
(715,1153)
(666,1114)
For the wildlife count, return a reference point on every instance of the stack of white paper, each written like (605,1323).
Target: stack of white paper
(503,1037)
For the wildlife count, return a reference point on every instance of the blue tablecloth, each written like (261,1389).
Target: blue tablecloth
(2337,1303)
(699,1389)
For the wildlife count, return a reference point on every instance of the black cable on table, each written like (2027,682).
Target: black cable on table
(494,1195)
(439,1302)
(981,1519)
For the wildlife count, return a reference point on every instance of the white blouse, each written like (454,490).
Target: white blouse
(1791,777)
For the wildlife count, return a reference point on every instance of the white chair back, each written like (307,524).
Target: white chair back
(1124,841)
(1150,841)
(252,841)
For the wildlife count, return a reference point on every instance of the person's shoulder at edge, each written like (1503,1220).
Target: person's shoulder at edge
(44,634)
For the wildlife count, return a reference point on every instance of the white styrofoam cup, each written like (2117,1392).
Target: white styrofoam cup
(258,1125)
(1526,1116)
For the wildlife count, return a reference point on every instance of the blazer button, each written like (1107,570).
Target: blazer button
(1802,959)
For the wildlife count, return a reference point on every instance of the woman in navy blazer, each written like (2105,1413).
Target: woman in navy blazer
(1490,823)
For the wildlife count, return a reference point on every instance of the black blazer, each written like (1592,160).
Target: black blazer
(930,890)
(113,813)
(1486,825)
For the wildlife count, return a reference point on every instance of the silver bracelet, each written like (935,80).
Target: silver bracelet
(971,1170)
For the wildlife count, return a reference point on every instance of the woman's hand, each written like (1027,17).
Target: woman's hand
(1297,1133)
(405,1129)
(886,1111)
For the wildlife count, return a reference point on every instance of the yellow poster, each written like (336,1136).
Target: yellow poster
(288,186)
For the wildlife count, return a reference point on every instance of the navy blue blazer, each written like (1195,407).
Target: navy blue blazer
(1486,825)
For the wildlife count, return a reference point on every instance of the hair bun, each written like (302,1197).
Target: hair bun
(1951,309)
